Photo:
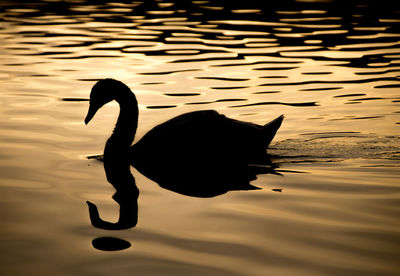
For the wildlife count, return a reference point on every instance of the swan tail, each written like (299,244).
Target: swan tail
(271,128)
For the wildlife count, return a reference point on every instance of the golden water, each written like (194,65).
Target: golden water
(332,68)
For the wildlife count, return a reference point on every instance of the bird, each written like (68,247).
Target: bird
(200,145)
(204,135)
(201,153)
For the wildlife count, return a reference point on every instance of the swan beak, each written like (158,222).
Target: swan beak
(91,112)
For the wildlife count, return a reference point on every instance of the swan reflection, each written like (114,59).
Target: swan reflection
(200,154)
(198,178)
(117,168)
(110,244)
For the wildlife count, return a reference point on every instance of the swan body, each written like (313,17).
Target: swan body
(207,135)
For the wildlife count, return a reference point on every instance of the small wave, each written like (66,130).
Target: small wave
(359,81)
(168,72)
(182,94)
(349,95)
(160,106)
(321,89)
(278,103)
(222,78)
(336,146)
(228,87)
(217,101)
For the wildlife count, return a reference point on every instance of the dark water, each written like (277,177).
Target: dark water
(333,69)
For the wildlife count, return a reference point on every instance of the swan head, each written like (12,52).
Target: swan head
(103,92)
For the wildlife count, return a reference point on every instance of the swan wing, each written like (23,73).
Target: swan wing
(205,134)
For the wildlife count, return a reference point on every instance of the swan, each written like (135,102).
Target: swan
(205,136)
(201,153)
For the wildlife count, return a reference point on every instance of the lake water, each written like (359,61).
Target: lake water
(333,69)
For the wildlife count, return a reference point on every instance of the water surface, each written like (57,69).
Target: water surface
(332,68)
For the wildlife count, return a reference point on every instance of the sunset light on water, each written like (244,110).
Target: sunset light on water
(326,204)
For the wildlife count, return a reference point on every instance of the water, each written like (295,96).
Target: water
(331,67)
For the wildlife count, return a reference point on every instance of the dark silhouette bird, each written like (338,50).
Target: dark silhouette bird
(200,153)
(201,134)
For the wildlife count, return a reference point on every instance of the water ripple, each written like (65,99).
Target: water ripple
(278,103)
(332,67)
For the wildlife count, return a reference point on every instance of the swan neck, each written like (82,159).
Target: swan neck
(125,128)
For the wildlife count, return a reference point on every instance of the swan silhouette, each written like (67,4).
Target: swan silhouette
(205,133)
(201,153)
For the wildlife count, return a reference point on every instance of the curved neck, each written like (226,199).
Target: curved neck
(125,128)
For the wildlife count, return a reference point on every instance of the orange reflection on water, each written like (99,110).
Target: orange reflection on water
(334,75)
